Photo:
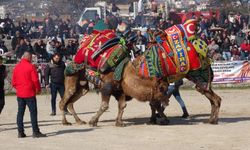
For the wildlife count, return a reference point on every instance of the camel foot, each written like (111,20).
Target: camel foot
(152,121)
(164,121)
(210,121)
(93,123)
(80,122)
(119,124)
(66,123)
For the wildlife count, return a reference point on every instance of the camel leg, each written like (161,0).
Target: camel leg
(79,93)
(160,107)
(215,101)
(104,106)
(64,103)
(121,106)
(70,88)
(153,114)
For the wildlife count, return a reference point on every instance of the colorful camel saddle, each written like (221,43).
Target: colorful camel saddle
(102,50)
(175,56)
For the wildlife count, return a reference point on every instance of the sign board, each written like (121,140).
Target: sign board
(231,72)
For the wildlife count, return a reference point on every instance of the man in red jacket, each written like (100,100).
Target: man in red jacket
(25,81)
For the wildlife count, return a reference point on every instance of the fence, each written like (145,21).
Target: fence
(230,74)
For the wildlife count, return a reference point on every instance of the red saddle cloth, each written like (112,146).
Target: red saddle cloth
(175,56)
(91,43)
(171,69)
(167,65)
(184,56)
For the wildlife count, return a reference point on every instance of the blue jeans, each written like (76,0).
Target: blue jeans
(177,96)
(31,103)
(54,87)
(176,93)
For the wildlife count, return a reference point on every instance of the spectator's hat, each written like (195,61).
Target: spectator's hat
(100,25)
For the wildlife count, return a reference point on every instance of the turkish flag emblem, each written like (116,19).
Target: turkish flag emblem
(190,27)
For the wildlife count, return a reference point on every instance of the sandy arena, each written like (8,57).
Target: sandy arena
(232,132)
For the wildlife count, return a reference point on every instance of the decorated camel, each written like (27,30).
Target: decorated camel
(176,54)
(123,83)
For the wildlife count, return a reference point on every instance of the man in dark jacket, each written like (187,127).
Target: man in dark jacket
(21,48)
(40,50)
(15,41)
(25,81)
(55,70)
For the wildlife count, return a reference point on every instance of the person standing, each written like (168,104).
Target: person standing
(225,48)
(55,71)
(173,89)
(2,77)
(15,40)
(25,81)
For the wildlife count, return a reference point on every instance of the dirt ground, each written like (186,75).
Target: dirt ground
(232,132)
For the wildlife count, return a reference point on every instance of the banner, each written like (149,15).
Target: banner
(231,72)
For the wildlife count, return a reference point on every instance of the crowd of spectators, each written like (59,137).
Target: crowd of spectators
(41,38)
(227,35)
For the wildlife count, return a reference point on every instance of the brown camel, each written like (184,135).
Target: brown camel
(131,86)
(134,86)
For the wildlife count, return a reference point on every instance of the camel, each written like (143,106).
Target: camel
(132,85)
